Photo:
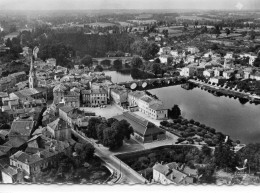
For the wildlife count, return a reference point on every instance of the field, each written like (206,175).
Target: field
(184,17)
(101,24)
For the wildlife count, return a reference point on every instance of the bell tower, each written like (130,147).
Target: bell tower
(33,82)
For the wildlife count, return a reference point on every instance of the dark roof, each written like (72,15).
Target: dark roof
(15,142)
(157,106)
(21,127)
(4,148)
(139,124)
(66,109)
(24,157)
(58,124)
(11,171)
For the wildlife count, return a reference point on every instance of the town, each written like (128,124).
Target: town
(134,97)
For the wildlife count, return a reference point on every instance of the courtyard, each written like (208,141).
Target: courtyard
(107,112)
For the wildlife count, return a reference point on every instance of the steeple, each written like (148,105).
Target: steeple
(33,82)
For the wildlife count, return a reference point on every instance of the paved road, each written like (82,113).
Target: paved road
(127,174)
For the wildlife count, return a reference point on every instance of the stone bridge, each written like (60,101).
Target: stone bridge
(124,60)
(154,82)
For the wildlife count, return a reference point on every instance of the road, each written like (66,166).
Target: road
(128,176)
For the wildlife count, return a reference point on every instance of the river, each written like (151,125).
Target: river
(228,115)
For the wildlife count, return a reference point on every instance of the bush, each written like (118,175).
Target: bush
(164,123)
(199,129)
(179,140)
(197,123)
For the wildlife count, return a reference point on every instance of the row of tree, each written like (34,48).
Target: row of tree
(111,132)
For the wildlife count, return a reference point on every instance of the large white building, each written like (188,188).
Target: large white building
(148,105)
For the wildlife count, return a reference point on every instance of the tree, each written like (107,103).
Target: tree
(252,153)
(206,150)
(87,61)
(175,112)
(100,129)
(110,138)
(225,157)
(126,129)
(99,68)
(85,151)
(146,49)
(207,174)
(136,62)
(91,128)
(156,68)
(118,65)
(227,31)
(257,62)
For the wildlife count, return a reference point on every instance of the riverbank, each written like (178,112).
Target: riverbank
(218,90)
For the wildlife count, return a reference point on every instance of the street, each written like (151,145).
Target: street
(128,176)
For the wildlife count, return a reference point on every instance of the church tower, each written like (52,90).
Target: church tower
(33,82)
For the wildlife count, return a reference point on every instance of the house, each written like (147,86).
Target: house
(4,134)
(174,53)
(94,97)
(199,70)
(172,173)
(65,111)
(119,95)
(59,129)
(148,105)
(229,55)
(32,163)
(144,131)
(251,56)
(11,36)
(228,74)
(12,175)
(217,80)
(193,50)
(247,72)
(218,72)
(190,59)
(255,75)
(22,128)
(164,58)
(187,71)
(208,73)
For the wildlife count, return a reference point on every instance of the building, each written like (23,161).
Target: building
(22,128)
(144,131)
(217,80)
(229,55)
(59,130)
(187,71)
(251,57)
(33,82)
(218,72)
(12,175)
(11,36)
(228,74)
(119,95)
(255,75)
(32,163)
(58,93)
(174,173)
(95,97)
(208,73)
(148,105)
(193,50)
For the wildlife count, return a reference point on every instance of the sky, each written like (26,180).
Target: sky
(127,4)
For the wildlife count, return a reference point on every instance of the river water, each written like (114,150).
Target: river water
(228,115)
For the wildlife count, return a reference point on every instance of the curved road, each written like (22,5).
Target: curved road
(128,176)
